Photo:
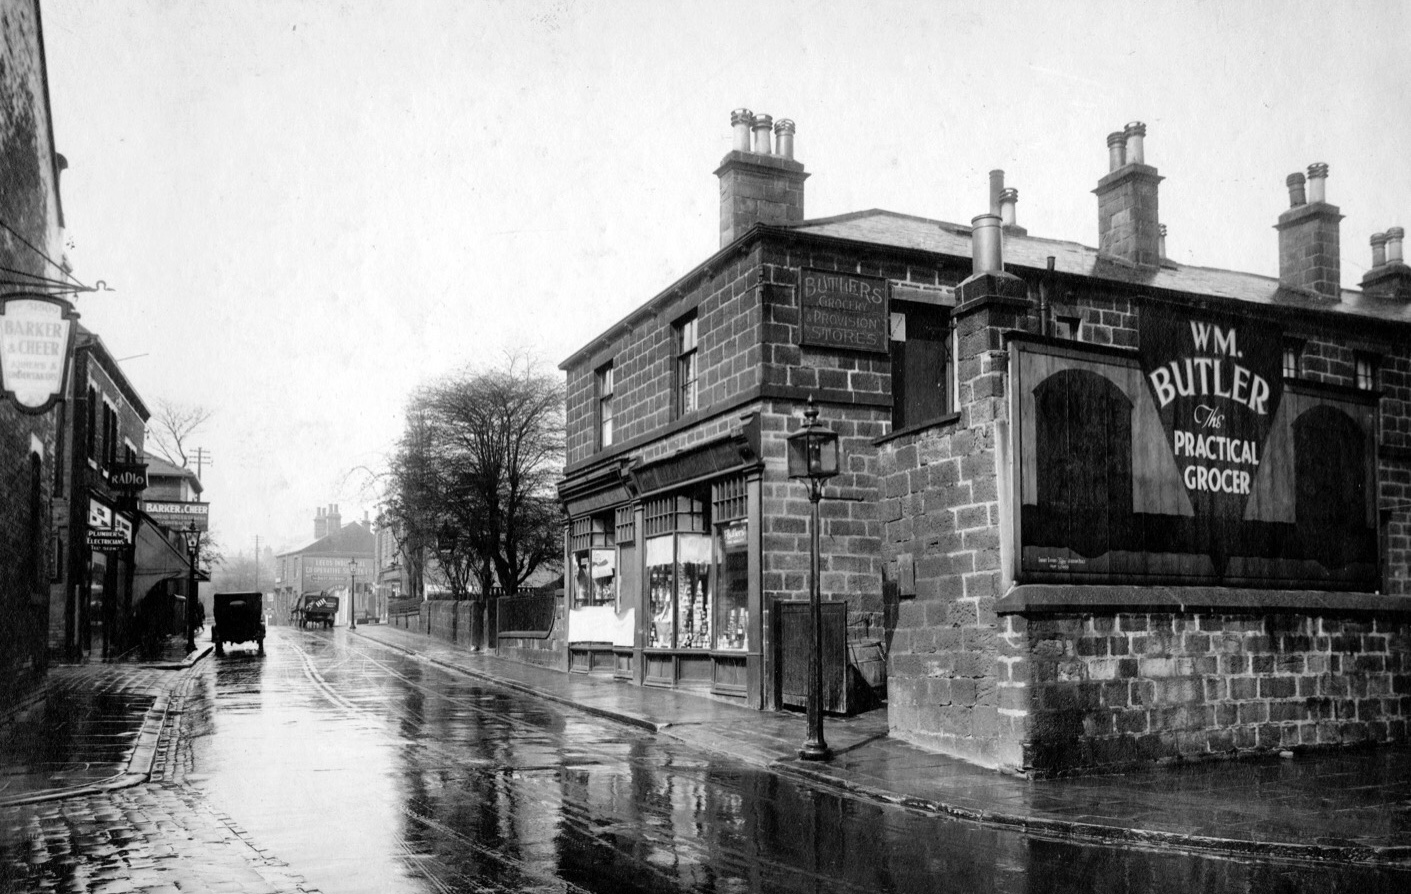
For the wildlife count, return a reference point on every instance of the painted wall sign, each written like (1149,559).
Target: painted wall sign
(1191,462)
(842,310)
(36,342)
(1217,384)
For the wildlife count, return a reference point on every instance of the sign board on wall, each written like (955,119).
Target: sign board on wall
(842,310)
(324,571)
(1192,461)
(178,515)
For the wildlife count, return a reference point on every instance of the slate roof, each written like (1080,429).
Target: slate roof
(886,228)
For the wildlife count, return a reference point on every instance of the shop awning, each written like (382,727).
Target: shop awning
(157,559)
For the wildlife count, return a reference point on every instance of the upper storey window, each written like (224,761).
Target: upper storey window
(1366,369)
(603,385)
(687,365)
(921,354)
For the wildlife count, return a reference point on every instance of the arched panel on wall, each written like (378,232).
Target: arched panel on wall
(1083,435)
(1331,494)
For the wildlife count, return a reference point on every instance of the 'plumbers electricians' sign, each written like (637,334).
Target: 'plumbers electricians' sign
(36,341)
(842,310)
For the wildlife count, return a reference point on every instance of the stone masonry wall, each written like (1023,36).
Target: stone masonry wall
(942,513)
(726,302)
(1116,691)
(29,205)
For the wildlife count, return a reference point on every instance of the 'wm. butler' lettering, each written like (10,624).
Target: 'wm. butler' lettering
(1217,385)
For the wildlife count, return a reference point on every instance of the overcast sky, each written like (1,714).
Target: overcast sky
(309,208)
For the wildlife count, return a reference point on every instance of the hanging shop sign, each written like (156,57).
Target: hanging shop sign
(106,528)
(129,478)
(1191,461)
(36,342)
(178,515)
(842,310)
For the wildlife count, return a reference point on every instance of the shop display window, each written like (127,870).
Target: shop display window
(594,561)
(732,619)
(693,591)
(678,580)
(661,565)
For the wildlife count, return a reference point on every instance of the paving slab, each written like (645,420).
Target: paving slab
(1347,807)
(88,728)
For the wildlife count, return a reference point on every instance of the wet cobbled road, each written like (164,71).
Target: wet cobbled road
(335,764)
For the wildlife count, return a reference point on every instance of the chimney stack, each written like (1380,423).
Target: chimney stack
(335,521)
(1128,228)
(986,244)
(1389,277)
(759,183)
(320,524)
(1309,254)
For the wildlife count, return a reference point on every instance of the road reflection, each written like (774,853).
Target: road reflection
(369,771)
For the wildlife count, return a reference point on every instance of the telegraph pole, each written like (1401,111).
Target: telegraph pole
(203,458)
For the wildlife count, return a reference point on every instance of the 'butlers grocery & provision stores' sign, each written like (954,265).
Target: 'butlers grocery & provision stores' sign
(1191,460)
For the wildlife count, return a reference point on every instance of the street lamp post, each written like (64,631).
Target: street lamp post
(193,552)
(813,457)
(352,594)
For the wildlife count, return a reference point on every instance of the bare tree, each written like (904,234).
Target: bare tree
(473,476)
(170,429)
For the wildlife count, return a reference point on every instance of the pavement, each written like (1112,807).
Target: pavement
(99,728)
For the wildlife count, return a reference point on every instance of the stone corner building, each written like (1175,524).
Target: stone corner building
(1097,508)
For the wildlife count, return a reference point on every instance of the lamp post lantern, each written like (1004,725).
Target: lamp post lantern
(813,457)
(352,594)
(193,552)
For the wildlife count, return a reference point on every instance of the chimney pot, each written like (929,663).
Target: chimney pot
(1379,249)
(741,120)
(784,137)
(763,124)
(996,188)
(1116,150)
(1394,237)
(757,185)
(1317,182)
(1008,198)
(1309,243)
(987,247)
(1135,133)
(1161,241)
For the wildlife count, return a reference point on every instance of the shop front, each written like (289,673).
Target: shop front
(664,570)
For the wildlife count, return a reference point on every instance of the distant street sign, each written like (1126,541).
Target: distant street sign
(178,515)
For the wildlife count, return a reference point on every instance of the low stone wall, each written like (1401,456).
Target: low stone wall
(1107,691)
